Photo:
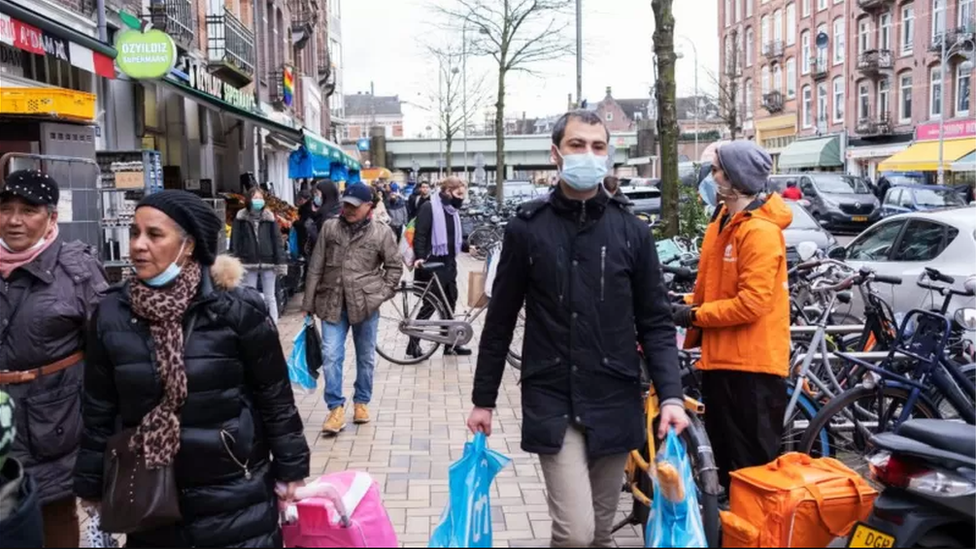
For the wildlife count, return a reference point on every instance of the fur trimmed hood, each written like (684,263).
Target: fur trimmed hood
(227,272)
(266,215)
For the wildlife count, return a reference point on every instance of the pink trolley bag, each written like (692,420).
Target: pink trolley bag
(339,510)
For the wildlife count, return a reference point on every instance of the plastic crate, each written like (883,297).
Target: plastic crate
(55,102)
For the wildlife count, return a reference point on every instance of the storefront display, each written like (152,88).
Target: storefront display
(125,178)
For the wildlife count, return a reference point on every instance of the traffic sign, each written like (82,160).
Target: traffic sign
(363,144)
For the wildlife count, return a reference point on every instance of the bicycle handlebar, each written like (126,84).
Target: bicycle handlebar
(682,273)
(884,279)
(937,276)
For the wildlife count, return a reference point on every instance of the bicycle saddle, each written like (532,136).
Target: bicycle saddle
(432,266)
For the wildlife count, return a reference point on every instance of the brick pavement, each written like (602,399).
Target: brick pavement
(418,430)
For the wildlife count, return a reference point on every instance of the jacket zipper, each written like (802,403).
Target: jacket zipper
(224,435)
(603,271)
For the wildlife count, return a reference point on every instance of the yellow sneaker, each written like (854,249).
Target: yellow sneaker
(336,422)
(361,414)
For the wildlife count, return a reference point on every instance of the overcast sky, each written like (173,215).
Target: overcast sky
(383,43)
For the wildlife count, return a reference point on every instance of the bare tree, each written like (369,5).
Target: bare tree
(448,102)
(517,34)
(729,98)
(667,113)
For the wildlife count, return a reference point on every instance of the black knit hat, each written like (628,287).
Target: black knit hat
(190,212)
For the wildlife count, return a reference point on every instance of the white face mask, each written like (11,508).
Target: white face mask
(39,244)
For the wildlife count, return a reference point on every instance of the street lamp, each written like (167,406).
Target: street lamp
(960,46)
(464,84)
(694,50)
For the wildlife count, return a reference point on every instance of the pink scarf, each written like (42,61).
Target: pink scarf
(10,261)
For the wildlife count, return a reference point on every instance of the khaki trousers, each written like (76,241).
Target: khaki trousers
(583,494)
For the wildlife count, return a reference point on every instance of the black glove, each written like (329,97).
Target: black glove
(683,315)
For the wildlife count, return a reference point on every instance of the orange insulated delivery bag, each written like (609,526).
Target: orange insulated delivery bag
(795,501)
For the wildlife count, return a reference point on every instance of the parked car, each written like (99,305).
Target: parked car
(837,201)
(805,228)
(919,198)
(518,190)
(903,245)
(646,200)
(640,182)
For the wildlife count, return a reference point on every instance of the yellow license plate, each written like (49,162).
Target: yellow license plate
(859,219)
(865,536)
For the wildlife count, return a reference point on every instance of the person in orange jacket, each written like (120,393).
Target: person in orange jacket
(740,312)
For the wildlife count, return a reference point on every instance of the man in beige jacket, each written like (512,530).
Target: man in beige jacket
(355,267)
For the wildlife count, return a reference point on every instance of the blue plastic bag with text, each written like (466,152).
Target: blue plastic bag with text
(298,373)
(675,519)
(466,521)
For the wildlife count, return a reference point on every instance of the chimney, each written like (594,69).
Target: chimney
(569,102)
(608,92)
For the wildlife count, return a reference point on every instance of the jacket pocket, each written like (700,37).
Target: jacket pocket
(54,422)
(619,369)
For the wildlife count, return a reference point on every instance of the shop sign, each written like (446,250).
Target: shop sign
(954,129)
(23,36)
(145,55)
(11,61)
(55,47)
(201,79)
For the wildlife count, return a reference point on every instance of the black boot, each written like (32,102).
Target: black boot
(457,351)
(413,350)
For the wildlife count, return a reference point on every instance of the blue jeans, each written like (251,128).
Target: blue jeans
(334,353)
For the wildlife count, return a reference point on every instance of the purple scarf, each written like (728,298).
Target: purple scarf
(438,238)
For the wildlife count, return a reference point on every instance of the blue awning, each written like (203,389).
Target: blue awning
(320,158)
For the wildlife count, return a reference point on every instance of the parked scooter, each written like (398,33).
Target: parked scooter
(928,470)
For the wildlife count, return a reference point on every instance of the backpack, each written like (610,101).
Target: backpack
(795,501)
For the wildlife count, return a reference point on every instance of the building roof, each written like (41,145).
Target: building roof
(633,106)
(685,108)
(365,104)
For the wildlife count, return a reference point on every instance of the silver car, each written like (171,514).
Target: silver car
(836,201)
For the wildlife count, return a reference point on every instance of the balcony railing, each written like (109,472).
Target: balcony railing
(304,16)
(230,48)
(874,62)
(871,5)
(175,18)
(819,68)
(774,49)
(773,101)
(880,125)
(951,37)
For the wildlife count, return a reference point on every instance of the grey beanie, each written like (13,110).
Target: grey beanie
(746,164)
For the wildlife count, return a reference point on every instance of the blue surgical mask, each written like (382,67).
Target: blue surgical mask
(257,204)
(317,201)
(583,172)
(169,274)
(708,190)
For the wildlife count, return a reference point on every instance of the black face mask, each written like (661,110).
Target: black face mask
(455,202)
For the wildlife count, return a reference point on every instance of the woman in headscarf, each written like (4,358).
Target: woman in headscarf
(325,199)
(191,360)
(438,240)
(256,241)
(49,288)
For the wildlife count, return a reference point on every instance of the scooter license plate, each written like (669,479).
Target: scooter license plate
(865,536)
(859,219)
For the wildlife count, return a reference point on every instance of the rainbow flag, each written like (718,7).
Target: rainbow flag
(288,85)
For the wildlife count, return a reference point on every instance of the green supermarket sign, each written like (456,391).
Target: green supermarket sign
(145,55)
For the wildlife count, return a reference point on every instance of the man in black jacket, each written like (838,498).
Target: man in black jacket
(420,196)
(588,274)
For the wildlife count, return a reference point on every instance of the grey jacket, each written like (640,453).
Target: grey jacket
(357,272)
(44,307)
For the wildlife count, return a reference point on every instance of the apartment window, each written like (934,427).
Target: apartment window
(883,94)
(905,92)
(749,7)
(778,78)
(964,79)
(791,78)
(750,46)
(938,18)
(778,25)
(907,28)
(822,102)
(765,80)
(863,35)
(838,40)
(790,24)
(764,30)
(966,19)
(821,52)
(805,52)
(838,99)
(821,5)
(807,106)
(884,40)
(863,101)
(935,93)
(729,55)
(748,97)
(609,117)
(738,10)
(728,13)
(806,8)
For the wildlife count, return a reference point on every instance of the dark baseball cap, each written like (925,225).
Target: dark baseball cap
(357,194)
(32,186)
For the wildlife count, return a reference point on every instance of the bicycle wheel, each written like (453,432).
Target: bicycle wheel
(391,343)
(853,416)
(514,357)
(798,423)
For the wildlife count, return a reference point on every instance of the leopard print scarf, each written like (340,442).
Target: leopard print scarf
(158,434)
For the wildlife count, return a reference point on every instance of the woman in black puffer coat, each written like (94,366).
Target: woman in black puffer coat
(238,409)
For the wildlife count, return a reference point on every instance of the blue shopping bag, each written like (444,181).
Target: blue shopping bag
(675,521)
(466,521)
(298,372)
(293,250)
